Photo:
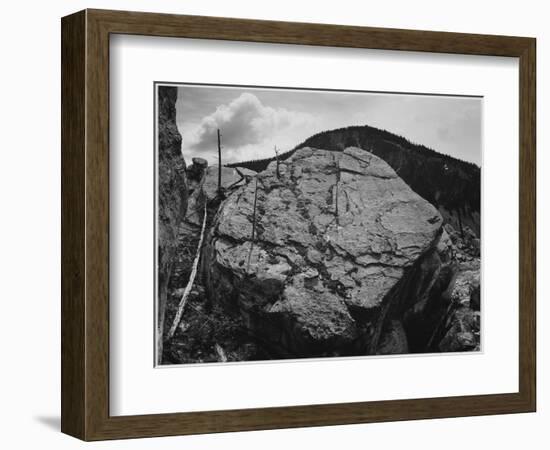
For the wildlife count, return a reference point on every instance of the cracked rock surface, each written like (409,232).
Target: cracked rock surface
(172,194)
(336,237)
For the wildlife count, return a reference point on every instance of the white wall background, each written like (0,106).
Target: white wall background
(30,225)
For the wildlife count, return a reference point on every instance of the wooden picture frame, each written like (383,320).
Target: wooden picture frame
(85,224)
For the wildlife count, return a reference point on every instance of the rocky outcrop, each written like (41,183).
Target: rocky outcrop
(172,193)
(336,258)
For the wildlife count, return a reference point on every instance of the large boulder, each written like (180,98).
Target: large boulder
(172,194)
(335,245)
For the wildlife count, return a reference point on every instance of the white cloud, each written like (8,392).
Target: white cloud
(249,129)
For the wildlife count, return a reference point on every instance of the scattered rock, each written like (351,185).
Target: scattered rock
(467,286)
(462,331)
(467,241)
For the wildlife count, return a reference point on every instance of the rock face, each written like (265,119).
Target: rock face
(172,193)
(337,250)
(202,182)
(435,319)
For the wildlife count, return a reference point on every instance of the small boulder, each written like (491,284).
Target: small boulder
(195,171)
(463,327)
(200,163)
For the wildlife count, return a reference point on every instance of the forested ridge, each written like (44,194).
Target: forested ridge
(450,184)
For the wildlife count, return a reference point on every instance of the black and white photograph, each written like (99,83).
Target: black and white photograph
(273,225)
(299,223)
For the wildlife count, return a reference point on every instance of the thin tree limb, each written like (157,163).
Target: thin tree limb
(253,226)
(337,194)
(221,353)
(277,158)
(219,163)
(185,295)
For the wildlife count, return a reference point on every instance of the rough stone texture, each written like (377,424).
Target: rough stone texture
(466,241)
(452,185)
(393,340)
(195,172)
(202,189)
(172,192)
(466,287)
(462,331)
(207,187)
(340,242)
(432,323)
(427,294)
(200,163)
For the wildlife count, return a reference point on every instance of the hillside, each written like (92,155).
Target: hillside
(451,185)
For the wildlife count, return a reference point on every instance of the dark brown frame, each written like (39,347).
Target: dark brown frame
(85,224)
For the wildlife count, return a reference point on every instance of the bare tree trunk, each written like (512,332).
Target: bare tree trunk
(336,190)
(219,163)
(277,158)
(221,353)
(162,294)
(185,295)
(253,225)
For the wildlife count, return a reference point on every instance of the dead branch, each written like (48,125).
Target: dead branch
(221,353)
(277,158)
(253,226)
(219,163)
(187,290)
(337,194)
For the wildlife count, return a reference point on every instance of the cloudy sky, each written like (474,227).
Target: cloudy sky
(254,120)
